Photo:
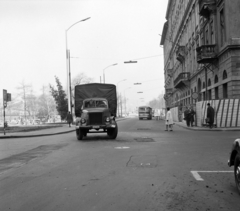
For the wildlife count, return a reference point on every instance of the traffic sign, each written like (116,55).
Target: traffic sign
(195,95)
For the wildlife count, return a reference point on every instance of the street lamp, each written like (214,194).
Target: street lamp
(130,62)
(105,69)
(68,66)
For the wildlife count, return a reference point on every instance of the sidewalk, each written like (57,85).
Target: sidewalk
(183,125)
(61,129)
(51,130)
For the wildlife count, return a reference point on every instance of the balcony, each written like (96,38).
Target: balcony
(182,80)
(180,53)
(170,72)
(206,54)
(169,91)
(206,7)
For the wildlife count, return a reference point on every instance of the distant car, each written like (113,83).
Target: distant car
(234,160)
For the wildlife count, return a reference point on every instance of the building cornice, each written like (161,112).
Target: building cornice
(164,33)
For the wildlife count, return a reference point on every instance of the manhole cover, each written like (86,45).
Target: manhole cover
(143,128)
(144,139)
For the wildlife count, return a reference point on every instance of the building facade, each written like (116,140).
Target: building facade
(201,41)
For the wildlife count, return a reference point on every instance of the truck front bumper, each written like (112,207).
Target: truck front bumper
(97,127)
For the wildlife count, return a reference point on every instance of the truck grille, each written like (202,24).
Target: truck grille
(95,118)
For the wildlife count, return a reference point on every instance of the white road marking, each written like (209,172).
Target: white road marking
(121,147)
(199,178)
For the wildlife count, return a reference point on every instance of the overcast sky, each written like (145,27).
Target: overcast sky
(33,46)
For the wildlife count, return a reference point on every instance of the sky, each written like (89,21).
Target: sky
(33,44)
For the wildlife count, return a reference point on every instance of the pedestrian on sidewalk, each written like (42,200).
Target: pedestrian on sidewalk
(69,118)
(187,116)
(169,120)
(210,115)
(191,114)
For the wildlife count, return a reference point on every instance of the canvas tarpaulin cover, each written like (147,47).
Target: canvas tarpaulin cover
(96,90)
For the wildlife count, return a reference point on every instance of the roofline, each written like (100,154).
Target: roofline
(164,33)
(168,8)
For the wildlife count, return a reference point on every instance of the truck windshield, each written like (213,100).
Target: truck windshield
(95,104)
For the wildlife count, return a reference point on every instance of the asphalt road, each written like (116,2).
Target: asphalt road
(145,168)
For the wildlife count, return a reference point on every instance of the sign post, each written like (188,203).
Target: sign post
(6,98)
(4,106)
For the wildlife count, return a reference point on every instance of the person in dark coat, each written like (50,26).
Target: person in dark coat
(191,114)
(69,119)
(210,115)
(187,116)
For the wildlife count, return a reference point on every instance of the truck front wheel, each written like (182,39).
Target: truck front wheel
(112,133)
(79,134)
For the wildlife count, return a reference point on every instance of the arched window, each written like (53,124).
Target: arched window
(203,85)
(209,82)
(199,85)
(224,74)
(216,79)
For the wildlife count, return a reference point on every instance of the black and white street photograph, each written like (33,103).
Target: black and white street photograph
(114,105)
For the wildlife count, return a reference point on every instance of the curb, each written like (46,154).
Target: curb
(45,134)
(207,129)
(36,135)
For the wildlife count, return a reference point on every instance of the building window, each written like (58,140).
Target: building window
(212,33)
(216,79)
(209,82)
(216,93)
(224,75)
(225,91)
(203,94)
(206,37)
(209,94)
(222,27)
(202,39)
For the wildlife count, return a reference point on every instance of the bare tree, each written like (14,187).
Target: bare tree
(81,78)
(24,91)
(46,103)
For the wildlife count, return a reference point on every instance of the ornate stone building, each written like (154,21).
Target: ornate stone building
(201,40)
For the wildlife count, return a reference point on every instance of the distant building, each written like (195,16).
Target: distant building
(201,40)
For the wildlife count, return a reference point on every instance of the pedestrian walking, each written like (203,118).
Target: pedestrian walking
(187,116)
(191,114)
(169,120)
(157,114)
(69,118)
(210,115)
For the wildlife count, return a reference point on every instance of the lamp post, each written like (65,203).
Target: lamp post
(68,66)
(105,69)
(117,91)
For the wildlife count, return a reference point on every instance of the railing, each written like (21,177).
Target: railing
(206,53)
(169,90)
(170,72)
(184,76)
(180,53)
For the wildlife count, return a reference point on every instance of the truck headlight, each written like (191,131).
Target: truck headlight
(107,119)
(83,121)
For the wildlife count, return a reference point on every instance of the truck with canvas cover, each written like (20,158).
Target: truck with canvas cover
(95,109)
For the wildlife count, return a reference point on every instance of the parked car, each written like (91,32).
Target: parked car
(234,160)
